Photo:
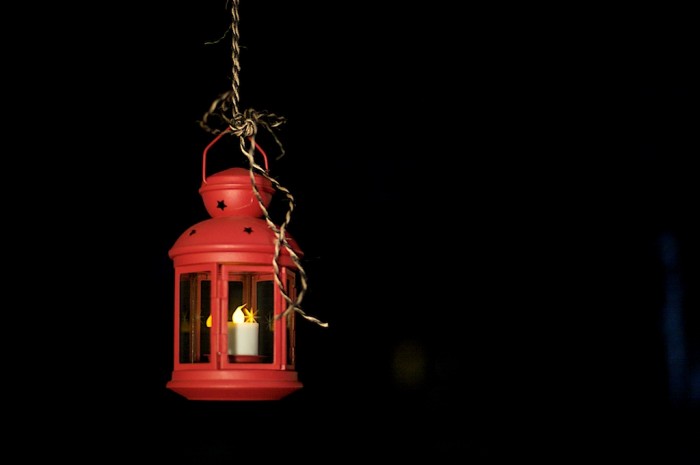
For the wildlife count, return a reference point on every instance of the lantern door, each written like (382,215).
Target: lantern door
(195,318)
(252,332)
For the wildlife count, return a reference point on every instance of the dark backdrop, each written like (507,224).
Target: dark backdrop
(485,197)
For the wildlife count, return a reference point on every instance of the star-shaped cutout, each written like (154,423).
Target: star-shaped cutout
(249,315)
(220,204)
(248,230)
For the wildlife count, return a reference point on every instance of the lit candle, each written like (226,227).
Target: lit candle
(242,333)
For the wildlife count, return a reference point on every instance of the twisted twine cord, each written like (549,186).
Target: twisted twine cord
(281,235)
(235,53)
(245,126)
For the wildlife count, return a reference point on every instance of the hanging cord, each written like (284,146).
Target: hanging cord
(245,126)
(280,233)
(240,124)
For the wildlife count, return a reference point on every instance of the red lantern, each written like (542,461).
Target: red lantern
(234,337)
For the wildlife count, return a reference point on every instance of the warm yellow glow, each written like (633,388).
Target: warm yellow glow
(242,314)
(249,315)
(238,316)
(209,321)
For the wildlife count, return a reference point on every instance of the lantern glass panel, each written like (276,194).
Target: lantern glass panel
(252,339)
(195,321)
(266,314)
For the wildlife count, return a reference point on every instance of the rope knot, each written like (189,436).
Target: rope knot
(246,124)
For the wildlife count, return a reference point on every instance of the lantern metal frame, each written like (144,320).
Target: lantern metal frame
(235,244)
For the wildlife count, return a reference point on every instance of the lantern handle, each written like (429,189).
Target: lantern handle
(216,139)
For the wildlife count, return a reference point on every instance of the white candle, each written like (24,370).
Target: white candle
(242,335)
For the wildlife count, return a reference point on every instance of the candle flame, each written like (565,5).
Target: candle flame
(209,321)
(243,315)
(238,316)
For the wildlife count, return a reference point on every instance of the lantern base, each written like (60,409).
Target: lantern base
(234,384)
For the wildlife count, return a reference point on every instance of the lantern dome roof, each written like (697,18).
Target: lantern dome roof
(240,239)
(236,231)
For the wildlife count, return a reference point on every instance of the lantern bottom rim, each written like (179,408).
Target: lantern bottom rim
(274,387)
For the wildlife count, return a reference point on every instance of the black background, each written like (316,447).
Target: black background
(480,194)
